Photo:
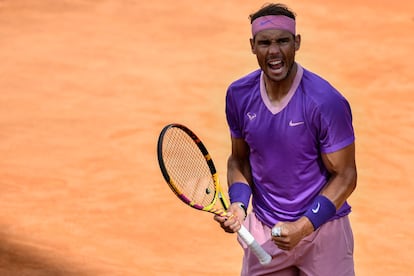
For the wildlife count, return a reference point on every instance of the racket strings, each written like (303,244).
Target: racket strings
(188,168)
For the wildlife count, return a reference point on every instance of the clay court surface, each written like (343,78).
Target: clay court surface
(86,86)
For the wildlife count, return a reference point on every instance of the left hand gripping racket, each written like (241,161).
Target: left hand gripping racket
(190,172)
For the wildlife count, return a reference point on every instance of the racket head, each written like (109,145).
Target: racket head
(187,167)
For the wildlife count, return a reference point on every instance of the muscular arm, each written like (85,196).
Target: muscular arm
(341,165)
(238,170)
(238,165)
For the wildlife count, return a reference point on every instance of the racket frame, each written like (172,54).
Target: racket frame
(217,187)
(243,233)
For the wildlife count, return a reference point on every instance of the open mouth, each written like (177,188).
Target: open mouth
(275,65)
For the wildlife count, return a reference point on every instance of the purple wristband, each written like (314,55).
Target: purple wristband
(321,210)
(240,192)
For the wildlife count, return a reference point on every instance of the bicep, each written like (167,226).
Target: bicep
(341,165)
(340,161)
(239,148)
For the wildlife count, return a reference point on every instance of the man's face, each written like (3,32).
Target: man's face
(275,52)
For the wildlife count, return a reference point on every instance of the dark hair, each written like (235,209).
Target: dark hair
(272,9)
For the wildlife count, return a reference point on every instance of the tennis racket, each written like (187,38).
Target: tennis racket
(190,172)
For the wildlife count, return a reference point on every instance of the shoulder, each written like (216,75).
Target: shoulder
(328,111)
(247,82)
(242,91)
(320,92)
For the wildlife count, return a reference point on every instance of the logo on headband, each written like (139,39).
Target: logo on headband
(265,22)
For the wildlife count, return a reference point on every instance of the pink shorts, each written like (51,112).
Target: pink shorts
(327,251)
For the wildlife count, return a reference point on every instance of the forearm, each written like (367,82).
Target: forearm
(341,165)
(333,196)
(238,171)
(239,179)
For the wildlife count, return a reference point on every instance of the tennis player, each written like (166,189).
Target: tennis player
(293,155)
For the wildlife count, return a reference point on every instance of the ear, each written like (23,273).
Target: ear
(297,42)
(252,45)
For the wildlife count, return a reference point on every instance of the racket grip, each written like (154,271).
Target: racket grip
(257,249)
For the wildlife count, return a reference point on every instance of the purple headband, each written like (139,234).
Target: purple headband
(278,22)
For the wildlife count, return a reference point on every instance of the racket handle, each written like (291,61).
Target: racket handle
(257,249)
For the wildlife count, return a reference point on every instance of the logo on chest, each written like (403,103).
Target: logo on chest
(294,124)
(251,116)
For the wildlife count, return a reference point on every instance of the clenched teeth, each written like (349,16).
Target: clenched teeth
(274,63)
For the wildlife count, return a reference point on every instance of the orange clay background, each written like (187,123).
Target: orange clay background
(86,87)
